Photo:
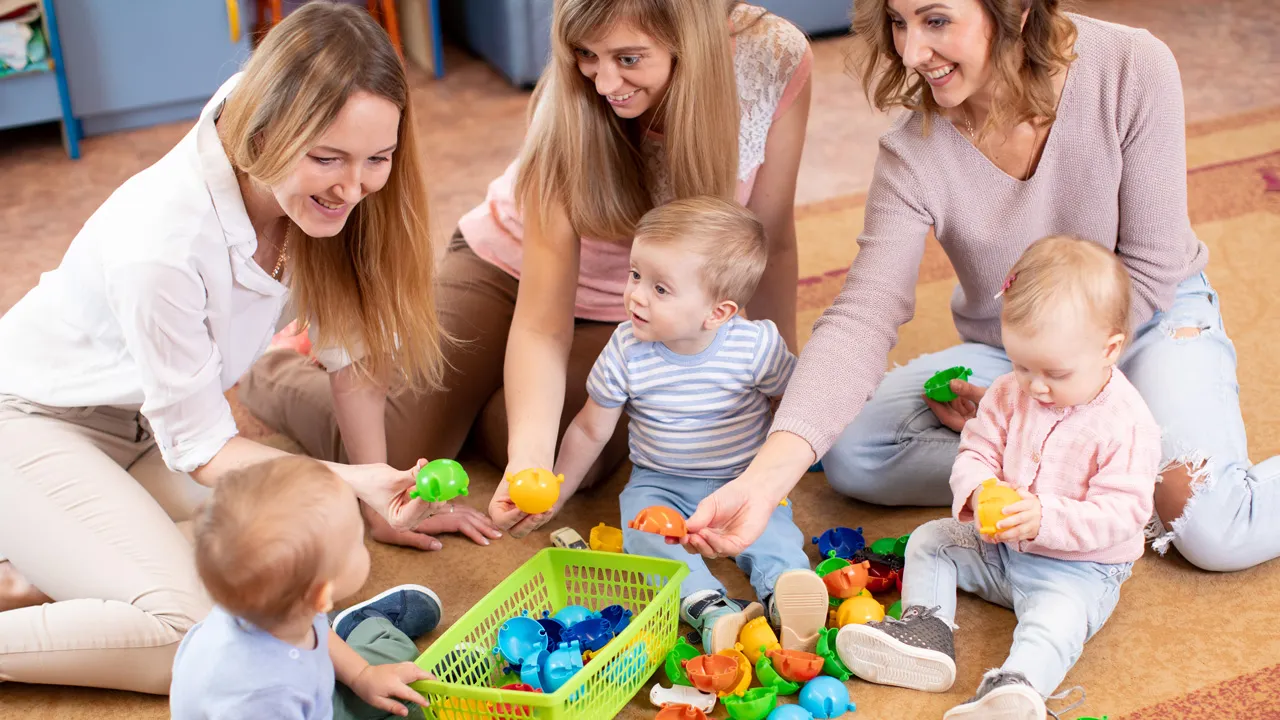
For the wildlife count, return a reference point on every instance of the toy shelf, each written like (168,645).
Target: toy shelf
(39,94)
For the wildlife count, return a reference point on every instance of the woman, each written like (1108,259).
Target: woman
(642,102)
(299,183)
(1025,122)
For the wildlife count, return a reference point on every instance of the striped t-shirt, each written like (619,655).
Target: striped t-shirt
(703,415)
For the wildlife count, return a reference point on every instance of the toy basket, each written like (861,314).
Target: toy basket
(468,672)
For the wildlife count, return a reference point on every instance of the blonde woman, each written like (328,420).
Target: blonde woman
(641,103)
(300,183)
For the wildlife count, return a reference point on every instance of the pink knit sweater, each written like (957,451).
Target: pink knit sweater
(1113,170)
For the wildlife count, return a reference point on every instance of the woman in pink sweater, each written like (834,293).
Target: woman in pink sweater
(1024,121)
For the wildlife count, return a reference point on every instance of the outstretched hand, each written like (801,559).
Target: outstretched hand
(961,410)
(727,521)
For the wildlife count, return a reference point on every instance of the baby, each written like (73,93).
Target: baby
(1073,437)
(276,545)
(696,380)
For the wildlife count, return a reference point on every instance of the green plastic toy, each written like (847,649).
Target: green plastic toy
(885,546)
(895,610)
(830,565)
(771,679)
(679,655)
(755,704)
(440,481)
(938,387)
(832,664)
(900,547)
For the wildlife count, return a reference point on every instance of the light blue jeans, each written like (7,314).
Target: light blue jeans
(1060,604)
(779,549)
(896,452)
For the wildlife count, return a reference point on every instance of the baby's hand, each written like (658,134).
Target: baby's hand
(1021,520)
(383,686)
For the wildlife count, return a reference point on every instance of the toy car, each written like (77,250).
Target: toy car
(567,537)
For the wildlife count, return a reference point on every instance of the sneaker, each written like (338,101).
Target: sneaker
(798,607)
(916,652)
(412,609)
(717,618)
(1002,695)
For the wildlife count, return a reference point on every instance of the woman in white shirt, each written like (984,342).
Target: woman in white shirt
(114,368)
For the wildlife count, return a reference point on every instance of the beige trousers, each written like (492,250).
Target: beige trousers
(87,515)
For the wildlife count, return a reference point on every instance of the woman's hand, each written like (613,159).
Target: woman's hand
(506,516)
(961,410)
(728,520)
(454,519)
(386,490)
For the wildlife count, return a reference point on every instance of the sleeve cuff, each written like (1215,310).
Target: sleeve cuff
(188,456)
(819,441)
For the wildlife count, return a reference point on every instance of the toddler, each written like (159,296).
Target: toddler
(276,545)
(1069,432)
(696,380)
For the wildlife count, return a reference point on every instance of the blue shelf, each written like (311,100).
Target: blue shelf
(39,94)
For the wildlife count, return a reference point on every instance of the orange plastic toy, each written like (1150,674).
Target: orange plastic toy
(534,490)
(680,712)
(659,519)
(743,681)
(859,610)
(712,673)
(796,665)
(992,500)
(847,581)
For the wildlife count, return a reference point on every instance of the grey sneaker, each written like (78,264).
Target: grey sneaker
(916,652)
(1002,695)
(717,618)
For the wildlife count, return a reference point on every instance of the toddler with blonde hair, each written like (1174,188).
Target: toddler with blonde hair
(1073,437)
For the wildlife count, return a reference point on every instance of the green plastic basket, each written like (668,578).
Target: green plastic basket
(468,672)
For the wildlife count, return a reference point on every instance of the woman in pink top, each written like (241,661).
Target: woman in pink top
(1023,121)
(641,103)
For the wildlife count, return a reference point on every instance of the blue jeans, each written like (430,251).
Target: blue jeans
(779,549)
(1060,604)
(895,452)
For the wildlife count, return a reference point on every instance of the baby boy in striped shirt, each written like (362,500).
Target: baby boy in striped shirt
(697,381)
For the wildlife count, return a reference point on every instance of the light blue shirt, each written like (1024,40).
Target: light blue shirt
(228,669)
(701,415)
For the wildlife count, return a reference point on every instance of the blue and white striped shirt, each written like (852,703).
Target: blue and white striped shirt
(703,415)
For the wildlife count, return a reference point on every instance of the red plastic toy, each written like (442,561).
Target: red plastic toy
(517,710)
(712,673)
(796,665)
(880,577)
(661,520)
(680,712)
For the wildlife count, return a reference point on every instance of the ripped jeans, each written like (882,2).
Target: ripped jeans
(896,452)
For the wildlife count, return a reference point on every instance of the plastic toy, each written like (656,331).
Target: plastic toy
(680,695)
(880,577)
(895,610)
(884,546)
(938,387)
(831,662)
(831,564)
(531,671)
(455,708)
(771,679)
(519,639)
(440,481)
(508,708)
(571,615)
(744,670)
(826,697)
(534,490)
(848,581)
(568,538)
(555,630)
(592,633)
(790,712)
(900,547)
(844,541)
(680,712)
(560,665)
(712,673)
(659,519)
(674,666)
(757,639)
(752,705)
(606,538)
(619,617)
(992,499)
(796,665)
(859,611)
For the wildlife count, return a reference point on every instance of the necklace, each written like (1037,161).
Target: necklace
(1035,142)
(968,123)
(284,254)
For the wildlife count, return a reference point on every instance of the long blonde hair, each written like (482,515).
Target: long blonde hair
(1024,59)
(581,156)
(370,290)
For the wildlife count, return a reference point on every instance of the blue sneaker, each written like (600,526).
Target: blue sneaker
(414,610)
(717,618)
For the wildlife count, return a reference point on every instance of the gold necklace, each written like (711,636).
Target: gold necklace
(968,124)
(279,269)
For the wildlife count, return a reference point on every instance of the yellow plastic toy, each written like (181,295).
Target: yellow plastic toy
(744,670)
(859,611)
(757,638)
(534,490)
(606,538)
(992,500)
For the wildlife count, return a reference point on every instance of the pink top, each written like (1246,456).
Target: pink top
(772,60)
(1093,467)
(1114,171)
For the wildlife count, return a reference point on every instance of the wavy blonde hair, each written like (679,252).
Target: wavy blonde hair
(370,290)
(1024,58)
(581,156)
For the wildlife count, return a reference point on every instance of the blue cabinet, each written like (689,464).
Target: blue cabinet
(132,63)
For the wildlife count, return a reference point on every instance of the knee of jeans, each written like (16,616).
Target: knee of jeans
(929,539)
(1062,617)
(857,472)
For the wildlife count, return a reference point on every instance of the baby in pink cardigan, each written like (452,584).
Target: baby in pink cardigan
(1073,437)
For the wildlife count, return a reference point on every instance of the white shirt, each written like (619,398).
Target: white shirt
(157,305)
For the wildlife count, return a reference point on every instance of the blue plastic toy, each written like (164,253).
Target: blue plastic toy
(571,615)
(790,712)
(560,665)
(531,672)
(592,634)
(555,630)
(826,697)
(618,616)
(520,639)
(844,541)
